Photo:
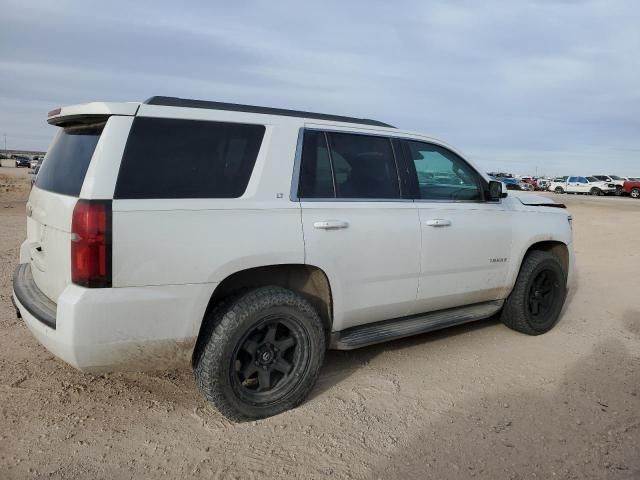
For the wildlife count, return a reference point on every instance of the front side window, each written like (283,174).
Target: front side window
(443,175)
(174,158)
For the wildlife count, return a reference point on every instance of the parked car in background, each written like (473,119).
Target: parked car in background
(35,161)
(542,184)
(585,185)
(293,232)
(632,187)
(34,175)
(22,161)
(615,179)
(510,182)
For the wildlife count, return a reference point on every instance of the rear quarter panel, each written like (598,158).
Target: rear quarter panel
(180,241)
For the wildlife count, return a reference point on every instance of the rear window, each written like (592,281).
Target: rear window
(172,158)
(68,159)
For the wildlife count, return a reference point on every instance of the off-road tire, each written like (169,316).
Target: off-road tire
(227,326)
(516,313)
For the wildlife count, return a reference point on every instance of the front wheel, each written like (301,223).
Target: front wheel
(619,190)
(635,192)
(595,191)
(259,354)
(536,299)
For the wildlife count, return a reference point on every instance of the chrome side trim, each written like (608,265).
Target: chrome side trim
(369,334)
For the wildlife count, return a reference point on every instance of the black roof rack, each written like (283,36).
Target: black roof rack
(234,107)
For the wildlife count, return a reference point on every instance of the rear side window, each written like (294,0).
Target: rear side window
(363,166)
(173,158)
(316,178)
(68,159)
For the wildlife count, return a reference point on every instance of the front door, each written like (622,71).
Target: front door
(357,228)
(465,240)
(578,185)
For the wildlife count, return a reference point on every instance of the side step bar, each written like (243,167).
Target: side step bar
(369,334)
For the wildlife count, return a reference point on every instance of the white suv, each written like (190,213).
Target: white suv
(247,240)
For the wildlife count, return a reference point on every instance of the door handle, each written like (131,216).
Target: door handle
(330,224)
(438,222)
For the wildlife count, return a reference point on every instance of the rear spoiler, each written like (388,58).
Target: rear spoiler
(90,112)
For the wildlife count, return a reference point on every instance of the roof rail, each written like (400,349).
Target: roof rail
(234,107)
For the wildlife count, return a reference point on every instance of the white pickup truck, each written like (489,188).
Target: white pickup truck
(247,240)
(586,185)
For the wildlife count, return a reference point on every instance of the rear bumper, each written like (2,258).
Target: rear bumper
(115,329)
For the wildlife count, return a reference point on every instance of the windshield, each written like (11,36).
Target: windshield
(592,179)
(68,158)
(615,177)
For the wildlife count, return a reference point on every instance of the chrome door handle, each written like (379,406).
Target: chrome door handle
(438,222)
(330,224)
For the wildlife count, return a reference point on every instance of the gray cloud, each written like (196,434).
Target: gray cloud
(515,85)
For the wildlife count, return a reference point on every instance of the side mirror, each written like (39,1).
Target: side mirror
(495,190)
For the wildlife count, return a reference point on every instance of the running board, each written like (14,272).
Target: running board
(369,334)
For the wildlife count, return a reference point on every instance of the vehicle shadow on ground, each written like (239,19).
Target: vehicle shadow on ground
(340,365)
(586,425)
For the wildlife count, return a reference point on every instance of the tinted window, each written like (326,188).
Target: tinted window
(443,175)
(316,180)
(170,158)
(363,166)
(573,179)
(582,180)
(68,159)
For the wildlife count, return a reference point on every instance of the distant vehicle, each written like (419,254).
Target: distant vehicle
(632,187)
(23,162)
(618,181)
(542,184)
(34,174)
(510,182)
(576,184)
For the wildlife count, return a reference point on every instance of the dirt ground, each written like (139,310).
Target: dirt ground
(475,401)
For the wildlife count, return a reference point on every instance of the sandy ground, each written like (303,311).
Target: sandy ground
(476,401)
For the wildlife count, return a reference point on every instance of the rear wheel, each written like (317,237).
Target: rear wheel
(260,354)
(635,192)
(536,299)
(559,190)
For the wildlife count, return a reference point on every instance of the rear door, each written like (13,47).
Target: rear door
(466,240)
(357,227)
(51,203)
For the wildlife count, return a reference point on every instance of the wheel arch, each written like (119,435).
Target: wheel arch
(309,281)
(556,247)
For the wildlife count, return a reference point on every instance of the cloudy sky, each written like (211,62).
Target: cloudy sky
(546,84)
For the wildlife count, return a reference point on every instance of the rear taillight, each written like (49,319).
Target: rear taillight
(91,243)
